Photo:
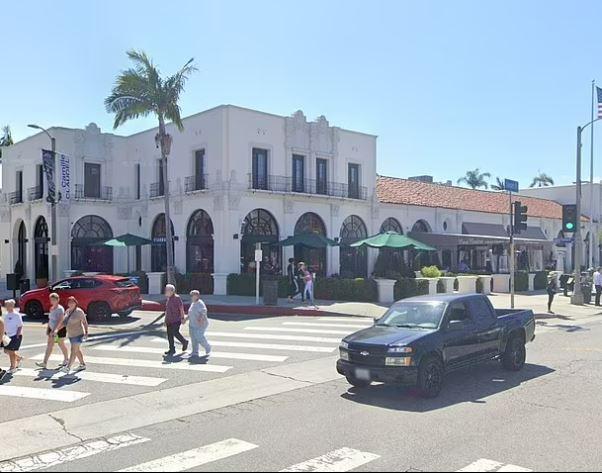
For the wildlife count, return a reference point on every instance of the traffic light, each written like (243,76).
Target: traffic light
(520,217)
(569,218)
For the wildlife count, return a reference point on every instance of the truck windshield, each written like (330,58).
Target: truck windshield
(418,315)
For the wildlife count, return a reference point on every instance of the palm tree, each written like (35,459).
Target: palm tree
(140,91)
(475,179)
(499,185)
(542,180)
(6,139)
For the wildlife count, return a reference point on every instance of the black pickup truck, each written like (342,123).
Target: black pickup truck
(421,339)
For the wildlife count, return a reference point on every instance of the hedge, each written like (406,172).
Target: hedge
(521,281)
(541,280)
(410,287)
(202,282)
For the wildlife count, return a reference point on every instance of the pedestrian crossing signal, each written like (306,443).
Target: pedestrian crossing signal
(569,218)
(520,217)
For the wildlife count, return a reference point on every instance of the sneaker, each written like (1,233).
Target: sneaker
(169,353)
(63,364)
(42,365)
(81,367)
(65,369)
(185,346)
(13,370)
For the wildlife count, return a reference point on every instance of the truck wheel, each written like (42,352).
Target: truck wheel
(99,311)
(515,355)
(34,310)
(430,377)
(357,383)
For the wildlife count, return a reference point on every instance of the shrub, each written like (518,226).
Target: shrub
(353,290)
(409,287)
(202,282)
(521,281)
(244,285)
(479,285)
(541,280)
(430,272)
(440,287)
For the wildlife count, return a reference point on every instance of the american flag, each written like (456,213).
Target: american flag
(599,91)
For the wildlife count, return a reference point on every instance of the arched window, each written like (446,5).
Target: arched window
(199,243)
(260,227)
(159,245)
(41,248)
(391,225)
(353,261)
(86,254)
(421,226)
(314,258)
(21,250)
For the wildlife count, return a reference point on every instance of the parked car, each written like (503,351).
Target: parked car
(422,339)
(98,296)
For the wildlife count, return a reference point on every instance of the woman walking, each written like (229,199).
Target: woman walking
(13,326)
(551,289)
(4,340)
(308,279)
(76,323)
(55,319)
(198,324)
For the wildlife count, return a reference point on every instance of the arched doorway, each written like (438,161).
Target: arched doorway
(391,225)
(315,258)
(41,248)
(419,259)
(353,261)
(159,245)
(421,226)
(86,254)
(199,243)
(21,250)
(390,261)
(260,226)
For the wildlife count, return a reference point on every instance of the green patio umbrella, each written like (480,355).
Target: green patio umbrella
(310,240)
(125,241)
(393,240)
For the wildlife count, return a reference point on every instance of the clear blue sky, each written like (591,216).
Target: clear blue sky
(447,85)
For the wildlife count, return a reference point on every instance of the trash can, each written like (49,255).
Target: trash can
(270,291)
(24,286)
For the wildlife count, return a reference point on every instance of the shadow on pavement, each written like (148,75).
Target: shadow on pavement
(472,385)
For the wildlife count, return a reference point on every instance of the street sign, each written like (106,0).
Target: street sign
(510,185)
(258,256)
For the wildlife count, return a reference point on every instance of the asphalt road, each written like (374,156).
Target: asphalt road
(544,418)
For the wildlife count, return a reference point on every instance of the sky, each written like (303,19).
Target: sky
(447,86)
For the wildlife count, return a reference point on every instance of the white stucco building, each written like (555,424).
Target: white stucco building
(239,177)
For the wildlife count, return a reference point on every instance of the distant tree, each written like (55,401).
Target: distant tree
(499,184)
(6,139)
(542,180)
(475,179)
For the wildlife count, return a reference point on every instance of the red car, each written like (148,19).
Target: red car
(98,296)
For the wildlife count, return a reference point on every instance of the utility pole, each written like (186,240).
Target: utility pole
(577,297)
(591,183)
(512,253)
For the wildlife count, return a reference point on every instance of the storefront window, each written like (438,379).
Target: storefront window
(199,243)
(260,227)
(353,261)
(314,258)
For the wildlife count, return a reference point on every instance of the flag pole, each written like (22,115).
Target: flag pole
(591,180)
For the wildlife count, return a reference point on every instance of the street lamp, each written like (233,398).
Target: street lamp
(53,216)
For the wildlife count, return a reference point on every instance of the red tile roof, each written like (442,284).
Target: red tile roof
(391,190)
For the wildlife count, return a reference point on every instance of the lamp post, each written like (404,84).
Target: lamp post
(53,216)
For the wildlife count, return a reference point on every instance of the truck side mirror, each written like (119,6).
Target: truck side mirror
(455,325)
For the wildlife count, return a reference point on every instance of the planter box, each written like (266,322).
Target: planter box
(220,284)
(386,290)
(486,283)
(467,284)
(501,283)
(432,285)
(448,284)
(156,283)
(531,282)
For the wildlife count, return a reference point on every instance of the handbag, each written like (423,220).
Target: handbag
(5,340)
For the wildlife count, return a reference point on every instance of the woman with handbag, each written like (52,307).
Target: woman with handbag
(13,326)
(76,323)
(4,340)
(55,318)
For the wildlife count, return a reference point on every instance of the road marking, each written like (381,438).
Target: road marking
(195,458)
(214,354)
(344,459)
(42,394)
(484,465)
(70,454)
(356,320)
(268,336)
(136,363)
(310,324)
(299,330)
(51,375)
(269,346)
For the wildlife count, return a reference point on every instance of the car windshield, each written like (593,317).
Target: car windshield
(416,315)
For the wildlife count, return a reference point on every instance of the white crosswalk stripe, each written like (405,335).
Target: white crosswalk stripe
(354,320)
(215,354)
(194,458)
(269,336)
(58,395)
(310,324)
(50,375)
(484,465)
(272,346)
(300,330)
(344,459)
(138,363)
(70,454)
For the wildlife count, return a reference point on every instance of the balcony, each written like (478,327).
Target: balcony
(307,186)
(35,193)
(104,194)
(15,198)
(157,189)
(195,183)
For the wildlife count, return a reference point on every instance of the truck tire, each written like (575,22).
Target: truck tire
(515,355)
(431,375)
(99,311)
(357,383)
(34,310)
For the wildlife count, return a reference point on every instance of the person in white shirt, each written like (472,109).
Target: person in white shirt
(199,322)
(13,326)
(598,284)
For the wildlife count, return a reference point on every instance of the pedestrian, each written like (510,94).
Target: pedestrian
(174,318)
(598,284)
(4,341)
(293,284)
(308,279)
(76,323)
(551,289)
(55,319)
(198,324)
(301,280)
(13,326)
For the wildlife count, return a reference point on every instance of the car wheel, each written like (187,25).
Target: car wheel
(99,311)
(34,310)
(430,377)
(357,383)
(125,314)
(515,355)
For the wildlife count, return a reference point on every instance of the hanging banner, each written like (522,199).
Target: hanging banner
(48,164)
(64,178)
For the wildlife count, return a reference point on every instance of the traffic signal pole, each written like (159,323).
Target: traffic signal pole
(512,253)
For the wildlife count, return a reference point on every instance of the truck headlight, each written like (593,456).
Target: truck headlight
(344,346)
(344,355)
(401,350)
(398,361)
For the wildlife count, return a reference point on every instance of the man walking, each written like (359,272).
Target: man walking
(174,317)
(598,285)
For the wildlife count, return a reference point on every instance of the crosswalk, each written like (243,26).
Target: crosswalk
(484,465)
(134,360)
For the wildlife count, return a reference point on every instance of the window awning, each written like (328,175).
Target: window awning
(484,229)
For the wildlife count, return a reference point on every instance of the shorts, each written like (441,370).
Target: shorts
(15,343)
(76,340)
(61,334)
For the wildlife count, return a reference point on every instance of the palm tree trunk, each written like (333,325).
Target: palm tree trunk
(171,279)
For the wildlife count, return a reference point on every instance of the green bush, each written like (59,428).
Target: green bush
(353,290)
(410,287)
(521,281)
(480,286)
(440,287)
(244,285)
(142,278)
(202,282)
(430,272)
(541,280)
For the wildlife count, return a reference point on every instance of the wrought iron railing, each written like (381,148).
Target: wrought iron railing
(15,197)
(104,193)
(35,193)
(307,186)
(196,183)
(157,189)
